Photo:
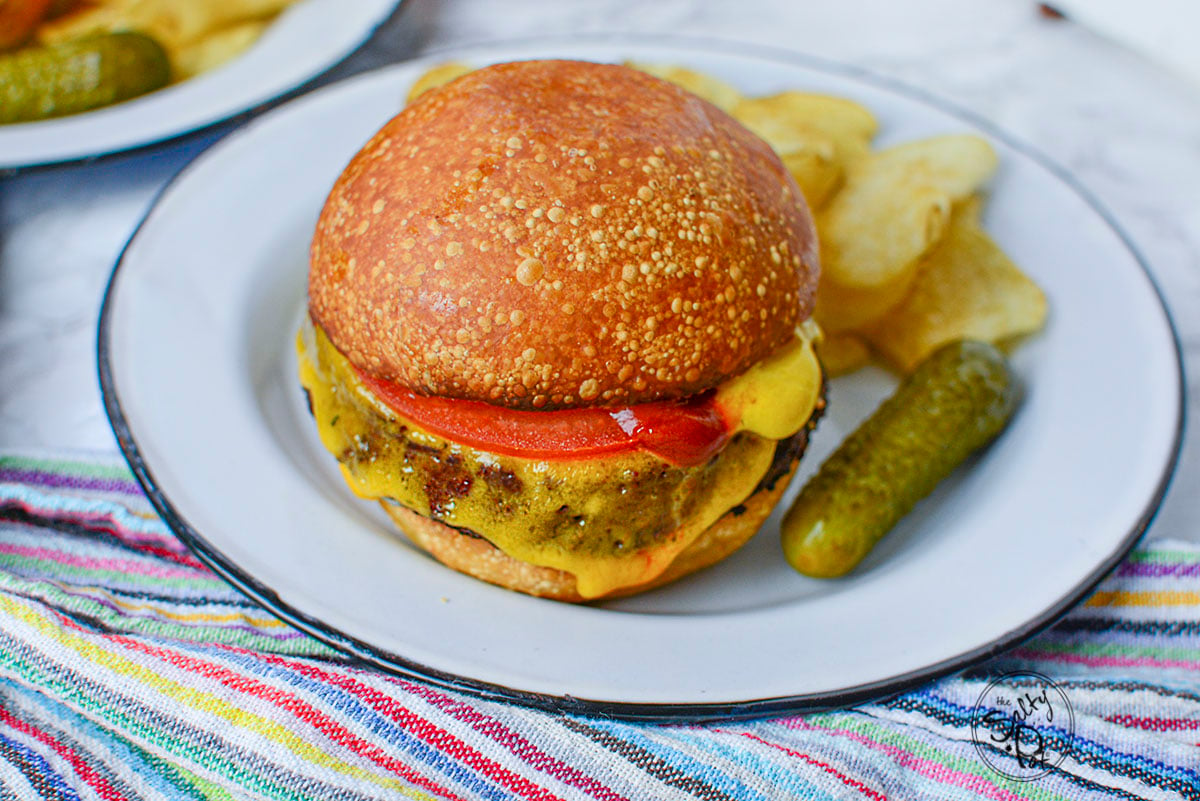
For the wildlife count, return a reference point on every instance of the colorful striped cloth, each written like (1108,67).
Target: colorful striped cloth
(129,670)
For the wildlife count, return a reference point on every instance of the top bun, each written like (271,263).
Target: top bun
(555,234)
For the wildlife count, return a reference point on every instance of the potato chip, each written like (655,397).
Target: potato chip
(815,172)
(437,76)
(788,116)
(969,210)
(816,136)
(966,288)
(958,164)
(81,21)
(892,210)
(216,49)
(870,250)
(842,353)
(809,155)
(715,91)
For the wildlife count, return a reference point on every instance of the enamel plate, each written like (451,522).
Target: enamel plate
(307,39)
(198,367)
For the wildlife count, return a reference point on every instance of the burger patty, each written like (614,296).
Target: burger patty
(631,506)
(787,453)
(449,482)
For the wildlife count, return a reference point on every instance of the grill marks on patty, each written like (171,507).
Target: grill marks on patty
(787,453)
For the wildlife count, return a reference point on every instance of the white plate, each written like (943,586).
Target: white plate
(199,378)
(307,39)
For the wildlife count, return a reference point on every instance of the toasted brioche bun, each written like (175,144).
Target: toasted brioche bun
(479,558)
(556,234)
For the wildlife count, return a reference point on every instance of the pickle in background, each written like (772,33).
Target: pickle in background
(42,82)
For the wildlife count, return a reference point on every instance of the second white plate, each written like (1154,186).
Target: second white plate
(304,41)
(199,379)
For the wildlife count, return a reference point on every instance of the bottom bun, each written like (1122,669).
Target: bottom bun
(479,558)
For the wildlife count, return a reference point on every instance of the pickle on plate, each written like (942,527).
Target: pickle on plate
(42,82)
(958,400)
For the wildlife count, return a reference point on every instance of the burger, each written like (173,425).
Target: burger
(559,327)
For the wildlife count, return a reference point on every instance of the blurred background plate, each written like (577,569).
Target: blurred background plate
(306,39)
(198,369)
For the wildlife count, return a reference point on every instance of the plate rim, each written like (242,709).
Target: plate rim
(235,116)
(661,712)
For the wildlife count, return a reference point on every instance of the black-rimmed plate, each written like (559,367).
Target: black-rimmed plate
(307,39)
(196,359)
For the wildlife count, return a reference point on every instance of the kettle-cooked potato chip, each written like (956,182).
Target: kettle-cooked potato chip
(842,353)
(816,136)
(782,117)
(437,76)
(714,90)
(893,208)
(816,172)
(966,288)
(214,50)
(870,246)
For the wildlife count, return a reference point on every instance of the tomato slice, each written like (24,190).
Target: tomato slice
(685,432)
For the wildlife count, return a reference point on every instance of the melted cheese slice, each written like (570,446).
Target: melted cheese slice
(613,521)
(776,397)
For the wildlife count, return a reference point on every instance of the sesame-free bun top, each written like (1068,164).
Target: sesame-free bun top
(554,234)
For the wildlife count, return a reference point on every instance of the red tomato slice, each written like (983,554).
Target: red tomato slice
(680,432)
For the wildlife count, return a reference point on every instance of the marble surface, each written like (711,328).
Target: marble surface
(1125,126)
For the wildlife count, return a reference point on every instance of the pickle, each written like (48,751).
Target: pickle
(41,82)
(958,400)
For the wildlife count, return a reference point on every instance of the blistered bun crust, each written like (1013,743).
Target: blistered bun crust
(554,234)
(479,558)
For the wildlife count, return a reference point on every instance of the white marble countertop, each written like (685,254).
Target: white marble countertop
(1127,128)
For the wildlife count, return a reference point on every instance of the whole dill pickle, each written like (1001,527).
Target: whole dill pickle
(41,82)
(958,400)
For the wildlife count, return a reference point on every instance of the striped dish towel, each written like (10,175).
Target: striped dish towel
(129,670)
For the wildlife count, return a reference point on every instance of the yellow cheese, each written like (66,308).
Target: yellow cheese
(776,397)
(612,521)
